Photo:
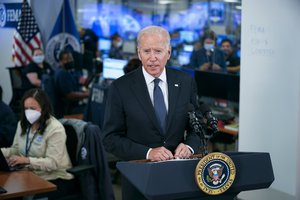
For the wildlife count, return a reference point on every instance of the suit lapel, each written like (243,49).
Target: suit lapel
(174,88)
(140,90)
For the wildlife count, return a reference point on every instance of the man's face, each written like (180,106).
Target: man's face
(67,58)
(226,47)
(154,53)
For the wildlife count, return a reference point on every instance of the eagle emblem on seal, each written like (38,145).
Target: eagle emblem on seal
(215,174)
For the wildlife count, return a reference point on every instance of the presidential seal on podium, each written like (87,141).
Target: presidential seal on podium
(215,173)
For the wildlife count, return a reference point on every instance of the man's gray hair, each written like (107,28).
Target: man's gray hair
(154,30)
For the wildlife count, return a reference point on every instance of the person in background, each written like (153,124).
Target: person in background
(146,110)
(69,91)
(88,58)
(132,64)
(116,47)
(208,58)
(36,69)
(232,61)
(8,123)
(90,41)
(40,142)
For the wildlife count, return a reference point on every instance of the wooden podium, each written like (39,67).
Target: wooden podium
(176,179)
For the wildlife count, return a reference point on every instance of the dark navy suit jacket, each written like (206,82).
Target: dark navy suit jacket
(130,124)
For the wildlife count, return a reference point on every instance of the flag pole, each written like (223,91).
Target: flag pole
(63,18)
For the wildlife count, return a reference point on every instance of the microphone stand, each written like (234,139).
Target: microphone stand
(197,127)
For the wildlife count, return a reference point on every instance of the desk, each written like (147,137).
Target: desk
(227,131)
(23,183)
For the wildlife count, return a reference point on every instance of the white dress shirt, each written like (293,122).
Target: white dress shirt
(162,84)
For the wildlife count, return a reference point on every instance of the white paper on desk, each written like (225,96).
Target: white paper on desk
(177,159)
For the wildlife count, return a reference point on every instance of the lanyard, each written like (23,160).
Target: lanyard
(28,144)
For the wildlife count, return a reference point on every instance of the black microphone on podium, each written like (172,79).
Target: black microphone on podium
(194,120)
(211,120)
(196,124)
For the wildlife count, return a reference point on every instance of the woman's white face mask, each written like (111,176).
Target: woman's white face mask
(38,59)
(32,115)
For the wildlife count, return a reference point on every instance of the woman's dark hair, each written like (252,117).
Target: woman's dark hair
(46,110)
(37,48)
(208,34)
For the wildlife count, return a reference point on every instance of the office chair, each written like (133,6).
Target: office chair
(16,79)
(87,155)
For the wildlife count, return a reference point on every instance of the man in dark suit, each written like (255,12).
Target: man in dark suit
(134,128)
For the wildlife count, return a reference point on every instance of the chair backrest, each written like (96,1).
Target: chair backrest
(16,77)
(71,143)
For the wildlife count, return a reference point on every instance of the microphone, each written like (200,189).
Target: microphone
(197,127)
(194,120)
(211,120)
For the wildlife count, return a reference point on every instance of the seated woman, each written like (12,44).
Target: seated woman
(36,69)
(40,142)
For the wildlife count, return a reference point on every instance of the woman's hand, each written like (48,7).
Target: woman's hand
(15,160)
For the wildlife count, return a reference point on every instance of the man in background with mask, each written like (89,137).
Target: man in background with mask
(36,69)
(208,58)
(116,47)
(69,91)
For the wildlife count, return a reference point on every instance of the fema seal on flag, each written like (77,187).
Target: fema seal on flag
(2,15)
(59,42)
(215,173)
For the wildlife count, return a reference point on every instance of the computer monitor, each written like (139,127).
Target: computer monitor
(129,47)
(104,44)
(184,58)
(113,68)
(188,36)
(188,47)
(218,85)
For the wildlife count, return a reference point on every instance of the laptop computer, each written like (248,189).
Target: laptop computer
(5,167)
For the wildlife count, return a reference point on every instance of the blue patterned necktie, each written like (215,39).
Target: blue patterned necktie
(159,104)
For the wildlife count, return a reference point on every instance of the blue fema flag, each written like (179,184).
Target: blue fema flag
(64,35)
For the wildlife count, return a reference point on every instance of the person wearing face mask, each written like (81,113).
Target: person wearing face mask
(232,61)
(36,69)
(40,142)
(116,47)
(68,88)
(208,58)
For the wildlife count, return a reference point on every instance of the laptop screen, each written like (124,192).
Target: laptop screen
(113,68)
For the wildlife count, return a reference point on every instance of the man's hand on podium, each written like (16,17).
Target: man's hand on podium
(160,154)
(182,151)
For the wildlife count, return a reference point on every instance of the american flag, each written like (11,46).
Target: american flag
(26,37)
